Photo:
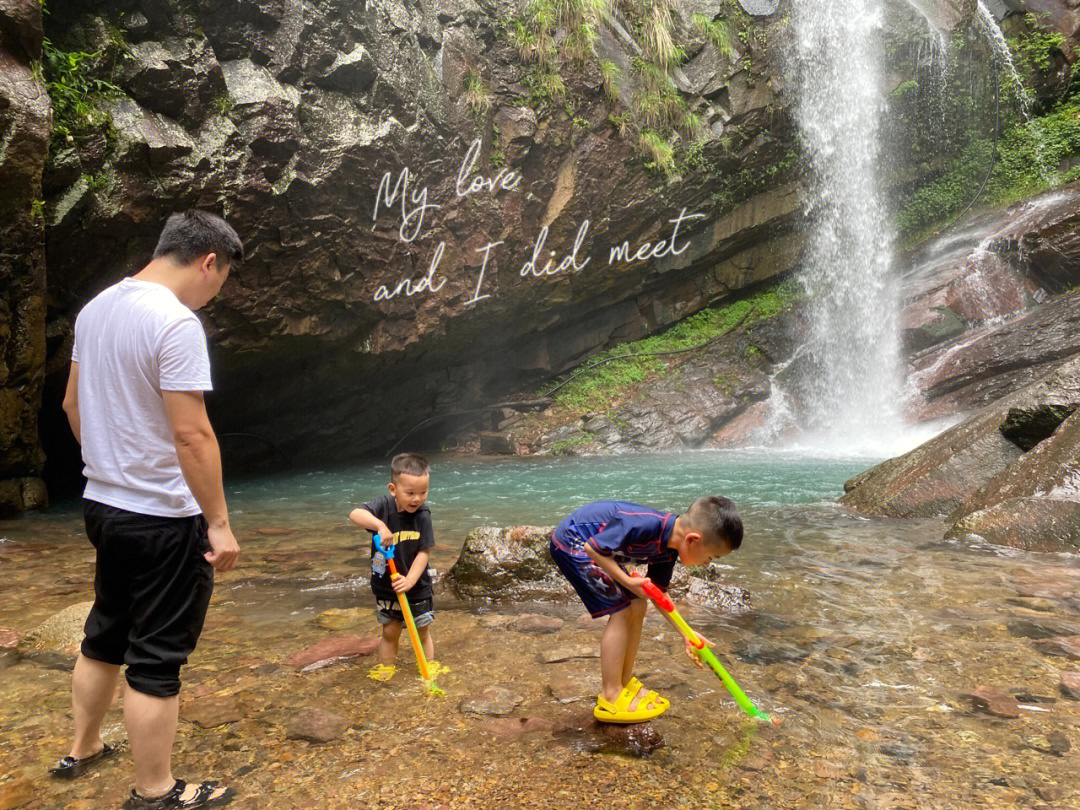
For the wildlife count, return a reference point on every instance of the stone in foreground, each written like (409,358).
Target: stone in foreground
(333,649)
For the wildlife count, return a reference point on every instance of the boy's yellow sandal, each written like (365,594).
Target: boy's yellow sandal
(619,711)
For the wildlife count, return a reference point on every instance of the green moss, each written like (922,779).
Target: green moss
(594,389)
(564,447)
(1026,162)
(1036,48)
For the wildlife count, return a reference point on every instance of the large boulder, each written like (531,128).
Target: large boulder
(515,564)
(939,476)
(58,636)
(1033,503)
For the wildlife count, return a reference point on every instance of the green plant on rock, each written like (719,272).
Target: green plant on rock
(74,89)
(475,93)
(656,150)
(624,366)
(611,74)
(1037,47)
(718,32)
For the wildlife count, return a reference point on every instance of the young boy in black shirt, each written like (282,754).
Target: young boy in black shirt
(402,521)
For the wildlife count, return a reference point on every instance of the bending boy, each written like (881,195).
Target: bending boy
(590,547)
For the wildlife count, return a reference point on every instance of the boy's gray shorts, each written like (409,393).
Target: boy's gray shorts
(388,610)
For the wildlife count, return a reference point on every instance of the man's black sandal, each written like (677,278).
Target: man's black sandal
(203,797)
(69,767)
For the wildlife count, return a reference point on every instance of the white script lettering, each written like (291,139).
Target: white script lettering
(506,181)
(425,284)
(568,261)
(665,247)
(419,200)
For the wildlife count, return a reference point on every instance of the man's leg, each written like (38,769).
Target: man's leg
(93,686)
(388,644)
(151,726)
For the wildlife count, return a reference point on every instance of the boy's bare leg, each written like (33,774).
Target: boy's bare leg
(613,654)
(426,642)
(616,654)
(93,685)
(633,638)
(388,644)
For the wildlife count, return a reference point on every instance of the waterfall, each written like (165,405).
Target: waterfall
(851,396)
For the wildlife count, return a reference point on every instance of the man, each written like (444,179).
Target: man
(154,504)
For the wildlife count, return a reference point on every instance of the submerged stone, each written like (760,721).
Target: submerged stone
(212,711)
(495,701)
(343,618)
(1068,646)
(333,649)
(995,702)
(1070,684)
(510,728)
(315,725)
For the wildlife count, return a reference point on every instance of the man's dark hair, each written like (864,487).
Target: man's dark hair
(190,235)
(409,464)
(717,519)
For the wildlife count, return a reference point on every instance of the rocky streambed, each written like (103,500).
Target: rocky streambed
(909,672)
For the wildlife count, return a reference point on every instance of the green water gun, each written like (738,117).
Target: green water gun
(667,607)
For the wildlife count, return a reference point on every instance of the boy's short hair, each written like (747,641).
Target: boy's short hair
(717,519)
(191,234)
(409,464)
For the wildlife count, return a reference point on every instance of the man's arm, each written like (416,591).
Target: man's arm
(200,461)
(71,401)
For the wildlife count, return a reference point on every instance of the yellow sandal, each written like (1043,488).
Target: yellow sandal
(619,711)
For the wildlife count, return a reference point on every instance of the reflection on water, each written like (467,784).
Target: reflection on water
(867,636)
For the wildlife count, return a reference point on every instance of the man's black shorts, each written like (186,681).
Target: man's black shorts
(151,590)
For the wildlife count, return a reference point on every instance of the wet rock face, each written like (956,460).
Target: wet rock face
(25,125)
(287,116)
(984,481)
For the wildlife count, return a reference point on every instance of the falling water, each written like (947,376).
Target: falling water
(852,393)
(1004,56)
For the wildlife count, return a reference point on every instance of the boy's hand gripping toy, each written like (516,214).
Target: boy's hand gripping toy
(410,623)
(667,607)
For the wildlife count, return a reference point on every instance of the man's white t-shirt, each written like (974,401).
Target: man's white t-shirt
(133,341)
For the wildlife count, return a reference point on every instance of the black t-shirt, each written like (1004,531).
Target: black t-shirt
(414,534)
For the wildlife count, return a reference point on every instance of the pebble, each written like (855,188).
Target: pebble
(995,702)
(212,711)
(343,618)
(1070,684)
(315,725)
(495,701)
(553,656)
(535,623)
(9,639)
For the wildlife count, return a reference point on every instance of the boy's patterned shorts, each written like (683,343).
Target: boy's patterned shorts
(601,594)
(388,610)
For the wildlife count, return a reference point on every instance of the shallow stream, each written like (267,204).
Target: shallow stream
(866,637)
